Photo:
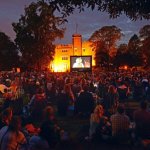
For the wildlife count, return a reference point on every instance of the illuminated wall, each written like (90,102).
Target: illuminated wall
(61,62)
(77,44)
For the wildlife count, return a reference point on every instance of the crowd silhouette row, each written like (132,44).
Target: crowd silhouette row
(31,102)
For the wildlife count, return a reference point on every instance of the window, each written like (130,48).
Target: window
(64,58)
(64,50)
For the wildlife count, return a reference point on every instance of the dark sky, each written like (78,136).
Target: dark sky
(88,21)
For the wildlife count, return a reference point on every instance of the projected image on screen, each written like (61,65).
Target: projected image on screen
(81,62)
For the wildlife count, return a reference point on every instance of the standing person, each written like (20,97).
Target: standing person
(62,102)
(76,87)
(69,92)
(85,102)
(38,103)
(111,98)
(123,91)
(51,92)
(11,138)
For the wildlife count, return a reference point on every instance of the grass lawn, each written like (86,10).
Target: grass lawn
(77,128)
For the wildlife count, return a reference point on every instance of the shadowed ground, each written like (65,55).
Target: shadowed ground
(77,128)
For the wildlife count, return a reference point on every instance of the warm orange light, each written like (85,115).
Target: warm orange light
(58,67)
(18,70)
(125,67)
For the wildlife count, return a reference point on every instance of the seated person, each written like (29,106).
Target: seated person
(39,142)
(95,119)
(37,104)
(52,132)
(7,96)
(142,121)
(6,117)
(11,137)
(103,130)
(120,123)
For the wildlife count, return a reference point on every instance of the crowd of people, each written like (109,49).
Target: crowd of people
(32,101)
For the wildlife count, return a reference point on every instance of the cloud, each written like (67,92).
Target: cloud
(88,21)
(127,32)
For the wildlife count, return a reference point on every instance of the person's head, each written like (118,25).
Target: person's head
(99,110)
(40,90)
(121,109)
(79,60)
(86,87)
(67,88)
(15,123)
(7,115)
(76,81)
(5,90)
(112,89)
(48,113)
(143,105)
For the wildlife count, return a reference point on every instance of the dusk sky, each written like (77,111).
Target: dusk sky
(88,21)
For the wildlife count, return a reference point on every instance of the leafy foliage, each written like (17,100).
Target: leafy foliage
(8,53)
(130,54)
(104,41)
(101,56)
(145,38)
(35,33)
(134,9)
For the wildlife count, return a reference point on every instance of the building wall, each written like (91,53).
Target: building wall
(77,44)
(61,62)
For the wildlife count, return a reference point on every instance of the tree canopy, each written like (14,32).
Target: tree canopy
(36,31)
(104,41)
(8,53)
(134,9)
(145,38)
(135,51)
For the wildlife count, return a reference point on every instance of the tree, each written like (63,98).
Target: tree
(122,56)
(35,33)
(101,55)
(105,40)
(134,49)
(134,46)
(8,53)
(145,41)
(122,48)
(134,9)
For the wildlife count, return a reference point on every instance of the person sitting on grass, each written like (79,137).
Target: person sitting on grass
(6,117)
(120,124)
(142,121)
(95,119)
(52,133)
(11,137)
(40,141)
